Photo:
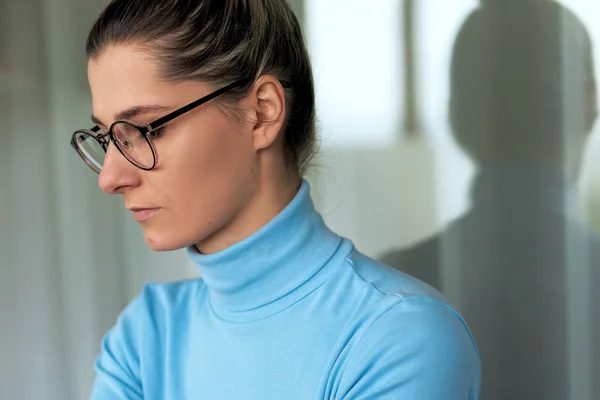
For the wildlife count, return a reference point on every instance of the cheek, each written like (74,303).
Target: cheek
(209,146)
(204,176)
(212,147)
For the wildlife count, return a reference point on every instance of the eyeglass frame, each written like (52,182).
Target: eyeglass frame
(145,130)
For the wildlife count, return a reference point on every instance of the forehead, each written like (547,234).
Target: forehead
(121,73)
(124,76)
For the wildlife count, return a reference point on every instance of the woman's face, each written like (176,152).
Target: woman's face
(206,161)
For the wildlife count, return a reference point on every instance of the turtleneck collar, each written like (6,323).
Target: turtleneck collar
(273,268)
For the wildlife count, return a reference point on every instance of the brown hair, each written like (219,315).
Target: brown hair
(219,42)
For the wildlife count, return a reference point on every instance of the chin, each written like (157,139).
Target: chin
(158,243)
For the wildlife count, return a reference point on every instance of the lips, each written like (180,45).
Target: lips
(142,214)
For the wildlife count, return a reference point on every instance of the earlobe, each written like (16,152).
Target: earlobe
(270,111)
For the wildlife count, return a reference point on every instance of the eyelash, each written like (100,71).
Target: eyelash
(155,134)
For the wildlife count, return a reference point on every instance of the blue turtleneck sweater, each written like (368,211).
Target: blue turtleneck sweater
(292,312)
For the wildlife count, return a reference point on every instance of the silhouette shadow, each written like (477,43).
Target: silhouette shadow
(523,101)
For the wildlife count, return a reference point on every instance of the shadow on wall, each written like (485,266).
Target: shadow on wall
(590,182)
(378,197)
(523,101)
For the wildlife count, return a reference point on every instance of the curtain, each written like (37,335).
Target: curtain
(70,257)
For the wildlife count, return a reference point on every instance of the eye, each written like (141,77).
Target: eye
(156,133)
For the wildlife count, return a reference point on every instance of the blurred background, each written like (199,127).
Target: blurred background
(458,143)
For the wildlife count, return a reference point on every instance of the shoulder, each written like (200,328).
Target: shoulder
(434,328)
(419,348)
(390,281)
(403,299)
(401,303)
(414,346)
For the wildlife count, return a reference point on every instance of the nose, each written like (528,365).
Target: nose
(117,174)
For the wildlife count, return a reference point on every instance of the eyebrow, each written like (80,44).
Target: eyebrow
(132,113)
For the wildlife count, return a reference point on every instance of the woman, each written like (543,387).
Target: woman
(204,113)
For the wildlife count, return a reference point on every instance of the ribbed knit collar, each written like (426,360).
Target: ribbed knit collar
(273,268)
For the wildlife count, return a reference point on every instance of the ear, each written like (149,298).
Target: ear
(268,98)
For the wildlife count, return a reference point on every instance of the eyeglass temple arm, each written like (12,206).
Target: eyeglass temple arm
(195,104)
(199,102)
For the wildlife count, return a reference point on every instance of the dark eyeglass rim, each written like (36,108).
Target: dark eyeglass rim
(145,130)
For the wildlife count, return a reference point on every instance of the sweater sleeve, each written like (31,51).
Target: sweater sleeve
(118,364)
(417,350)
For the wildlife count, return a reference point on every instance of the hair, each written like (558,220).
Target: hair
(522,78)
(220,42)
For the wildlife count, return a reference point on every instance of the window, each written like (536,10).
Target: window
(357,62)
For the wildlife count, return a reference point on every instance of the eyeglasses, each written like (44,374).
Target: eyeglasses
(133,141)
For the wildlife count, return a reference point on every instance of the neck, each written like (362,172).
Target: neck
(269,198)
(275,267)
